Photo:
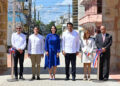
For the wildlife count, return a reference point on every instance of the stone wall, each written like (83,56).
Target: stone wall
(111,19)
(3,34)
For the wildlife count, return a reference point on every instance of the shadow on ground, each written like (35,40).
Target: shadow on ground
(60,70)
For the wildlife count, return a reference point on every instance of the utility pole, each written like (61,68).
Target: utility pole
(29,16)
(14,6)
(34,12)
(69,12)
(38,16)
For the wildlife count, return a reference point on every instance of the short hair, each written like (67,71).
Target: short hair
(36,27)
(69,23)
(86,32)
(55,28)
(18,26)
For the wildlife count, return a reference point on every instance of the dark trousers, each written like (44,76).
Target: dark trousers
(20,57)
(104,65)
(70,58)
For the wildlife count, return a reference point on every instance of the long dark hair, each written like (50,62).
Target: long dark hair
(55,28)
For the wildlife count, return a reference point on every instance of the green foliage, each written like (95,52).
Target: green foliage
(59,29)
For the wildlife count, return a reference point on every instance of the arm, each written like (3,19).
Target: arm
(58,45)
(43,45)
(97,42)
(82,46)
(63,43)
(93,43)
(24,44)
(29,46)
(77,43)
(46,44)
(109,44)
(13,41)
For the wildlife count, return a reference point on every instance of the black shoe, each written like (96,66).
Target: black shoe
(101,79)
(21,77)
(33,78)
(105,79)
(15,79)
(73,78)
(67,78)
(38,78)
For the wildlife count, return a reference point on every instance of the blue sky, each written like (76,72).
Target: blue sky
(51,10)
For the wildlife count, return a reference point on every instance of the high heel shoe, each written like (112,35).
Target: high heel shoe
(53,76)
(85,78)
(89,78)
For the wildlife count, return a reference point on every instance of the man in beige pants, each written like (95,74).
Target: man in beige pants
(36,51)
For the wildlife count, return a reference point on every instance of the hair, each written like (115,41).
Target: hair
(55,28)
(36,27)
(86,32)
(69,23)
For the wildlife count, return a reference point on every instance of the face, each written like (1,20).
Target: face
(53,30)
(102,29)
(88,34)
(70,28)
(19,29)
(36,30)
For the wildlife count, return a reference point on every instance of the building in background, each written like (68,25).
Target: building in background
(111,19)
(75,13)
(20,18)
(3,34)
(63,20)
(91,17)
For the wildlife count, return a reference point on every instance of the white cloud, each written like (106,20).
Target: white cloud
(65,2)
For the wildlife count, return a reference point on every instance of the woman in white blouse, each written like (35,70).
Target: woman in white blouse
(87,45)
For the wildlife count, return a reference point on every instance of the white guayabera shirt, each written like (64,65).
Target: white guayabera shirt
(36,44)
(70,42)
(18,41)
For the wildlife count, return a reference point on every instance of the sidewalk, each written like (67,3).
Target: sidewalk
(114,81)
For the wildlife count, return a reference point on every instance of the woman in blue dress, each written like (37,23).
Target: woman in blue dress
(52,48)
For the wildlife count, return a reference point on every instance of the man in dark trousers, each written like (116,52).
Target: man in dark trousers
(70,47)
(104,42)
(18,43)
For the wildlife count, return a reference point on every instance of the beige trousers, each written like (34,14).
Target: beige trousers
(36,59)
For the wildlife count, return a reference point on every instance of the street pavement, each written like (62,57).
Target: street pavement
(60,76)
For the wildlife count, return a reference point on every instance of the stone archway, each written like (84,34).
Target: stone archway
(3,34)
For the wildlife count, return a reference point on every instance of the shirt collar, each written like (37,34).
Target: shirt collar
(18,34)
(103,34)
(69,32)
(36,35)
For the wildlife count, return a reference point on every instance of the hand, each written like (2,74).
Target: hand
(20,51)
(29,55)
(103,50)
(57,54)
(77,53)
(42,55)
(47,53)
(63,53)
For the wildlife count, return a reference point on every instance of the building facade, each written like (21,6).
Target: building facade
(3,34)
(111,19)
(92,18)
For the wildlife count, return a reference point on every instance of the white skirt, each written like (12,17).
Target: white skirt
(87,59)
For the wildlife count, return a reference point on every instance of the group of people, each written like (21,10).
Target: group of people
(71,44)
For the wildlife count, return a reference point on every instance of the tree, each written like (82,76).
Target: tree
(59,29)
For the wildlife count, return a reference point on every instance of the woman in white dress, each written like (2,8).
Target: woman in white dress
(87,45)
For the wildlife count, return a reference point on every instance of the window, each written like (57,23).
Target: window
(99,6)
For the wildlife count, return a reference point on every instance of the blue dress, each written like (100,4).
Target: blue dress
(52,45)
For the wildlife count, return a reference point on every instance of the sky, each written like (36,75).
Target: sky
(51,10)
